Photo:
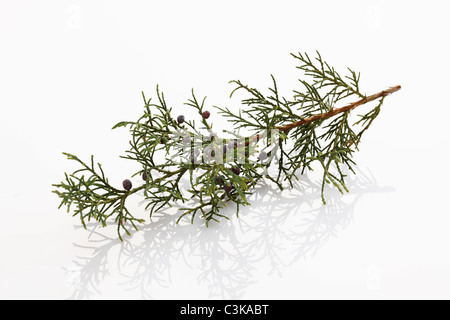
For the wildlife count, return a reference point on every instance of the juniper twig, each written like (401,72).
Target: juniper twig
(291,136)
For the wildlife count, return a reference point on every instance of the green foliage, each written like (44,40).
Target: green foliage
(93,197)
(296,133)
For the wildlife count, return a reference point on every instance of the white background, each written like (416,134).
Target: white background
(69,70)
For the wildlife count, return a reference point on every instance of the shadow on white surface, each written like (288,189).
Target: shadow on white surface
(276,231)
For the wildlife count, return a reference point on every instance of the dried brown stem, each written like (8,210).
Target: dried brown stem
(334,112)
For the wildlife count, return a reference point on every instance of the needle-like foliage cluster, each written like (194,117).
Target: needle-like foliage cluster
(291,135)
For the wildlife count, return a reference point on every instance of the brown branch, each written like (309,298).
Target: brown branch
(334,112)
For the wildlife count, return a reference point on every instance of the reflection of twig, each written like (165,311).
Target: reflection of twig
(88,272)
(223,277)
(150,260)
(277,229)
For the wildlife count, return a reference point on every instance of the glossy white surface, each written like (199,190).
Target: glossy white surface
(72,69)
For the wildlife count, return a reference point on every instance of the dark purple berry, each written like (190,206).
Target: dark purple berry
(236,170)
(225,149)
(196,152)
(180,119)
(127,185)
(206,115)
(263,156)
(219,180)
(210,153)
(234,145)
(163,140)
(144,176)
(212,136)
(227,188)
